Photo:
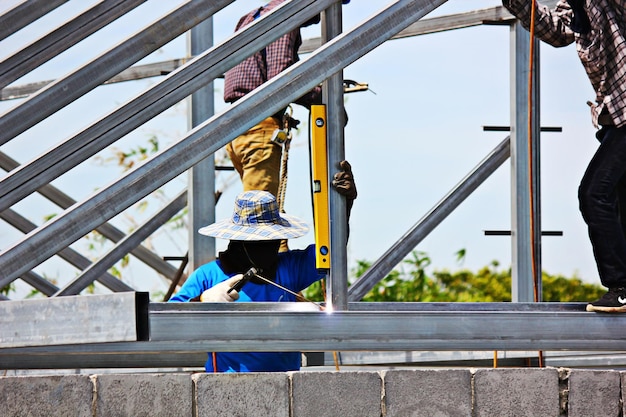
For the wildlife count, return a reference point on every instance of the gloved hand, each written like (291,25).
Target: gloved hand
(343,181)
(218,293)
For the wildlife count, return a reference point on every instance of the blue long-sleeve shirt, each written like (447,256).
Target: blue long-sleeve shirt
(296,271)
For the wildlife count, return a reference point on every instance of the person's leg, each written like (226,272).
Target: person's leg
(257,158)
(598,196)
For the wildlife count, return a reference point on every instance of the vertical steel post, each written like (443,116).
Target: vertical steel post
(332,93)
(202,175)
(525,230)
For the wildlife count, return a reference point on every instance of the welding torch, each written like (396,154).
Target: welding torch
(252,272)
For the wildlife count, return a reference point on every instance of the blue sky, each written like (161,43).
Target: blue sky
(409,143)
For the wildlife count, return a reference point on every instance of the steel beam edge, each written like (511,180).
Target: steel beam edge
(182,333)
(118,317)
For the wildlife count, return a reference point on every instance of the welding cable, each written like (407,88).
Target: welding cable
(533,255)
(533,247)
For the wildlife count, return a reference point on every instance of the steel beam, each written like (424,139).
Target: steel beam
(25,13)
(136,72)
(424,226)
(63,38)
(210,136)
(194,75)
(99,268)
(39,283)
(66,253)
(107,230)
(72,86)
(121,317)
(182,333)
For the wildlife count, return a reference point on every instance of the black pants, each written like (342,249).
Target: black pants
(602,198)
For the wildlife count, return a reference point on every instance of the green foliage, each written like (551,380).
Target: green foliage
(6,290)
(411,283)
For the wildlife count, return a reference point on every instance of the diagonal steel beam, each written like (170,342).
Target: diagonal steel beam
(66,253)
(24,14)
(210,136)
(394,255)
(65,90)
(175,87)
(39,283)
(116,253)
(62,38)
(107,230)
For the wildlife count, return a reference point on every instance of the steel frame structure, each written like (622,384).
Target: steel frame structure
(180,334)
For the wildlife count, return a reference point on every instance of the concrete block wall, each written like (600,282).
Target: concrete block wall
(422,392)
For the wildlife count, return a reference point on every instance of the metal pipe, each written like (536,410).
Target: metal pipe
(426,224)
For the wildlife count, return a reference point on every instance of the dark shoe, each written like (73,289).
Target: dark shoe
(613,301)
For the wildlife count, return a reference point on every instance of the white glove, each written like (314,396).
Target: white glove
(219,293)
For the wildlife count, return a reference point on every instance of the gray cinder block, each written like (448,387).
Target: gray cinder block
(63,395)
(428,393)
(517,392)
(332,394)
(593,393)
(143,395)
(246,394)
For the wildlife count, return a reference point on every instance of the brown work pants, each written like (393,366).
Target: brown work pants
(257,159)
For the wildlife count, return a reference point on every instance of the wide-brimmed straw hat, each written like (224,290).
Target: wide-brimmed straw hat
(256,217)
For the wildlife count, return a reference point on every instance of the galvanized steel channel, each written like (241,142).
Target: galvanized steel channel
(182,333)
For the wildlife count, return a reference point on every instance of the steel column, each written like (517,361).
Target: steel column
(525,214)
(332,93)
(202,175)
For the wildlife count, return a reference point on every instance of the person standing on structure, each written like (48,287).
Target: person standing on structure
(254,155)
(598,28)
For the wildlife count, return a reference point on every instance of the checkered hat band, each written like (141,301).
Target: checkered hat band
(256,210)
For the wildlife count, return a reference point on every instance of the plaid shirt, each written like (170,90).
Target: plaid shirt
(602,51)
(265,64)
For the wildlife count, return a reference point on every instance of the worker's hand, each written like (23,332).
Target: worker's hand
(219,293)
(343,181)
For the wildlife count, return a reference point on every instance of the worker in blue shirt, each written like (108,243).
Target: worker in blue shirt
(255,231)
